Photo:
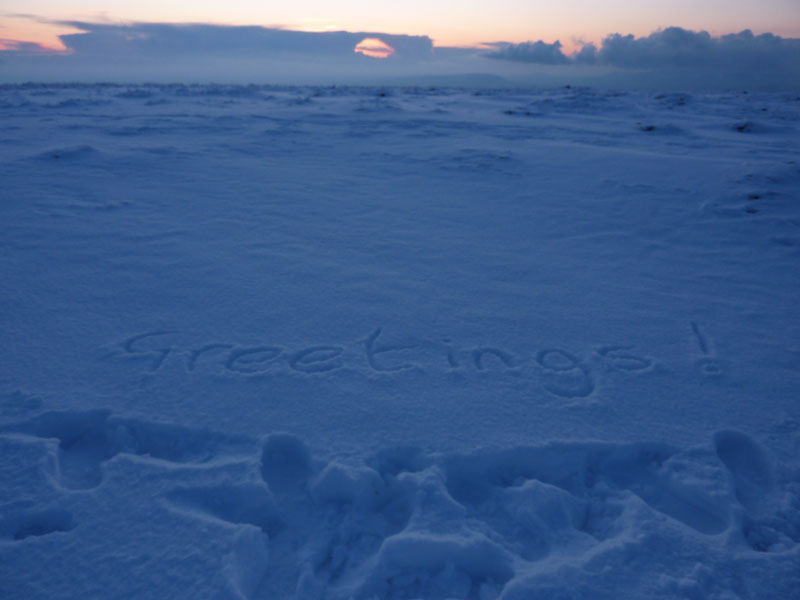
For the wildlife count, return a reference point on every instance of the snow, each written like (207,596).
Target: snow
(285,342)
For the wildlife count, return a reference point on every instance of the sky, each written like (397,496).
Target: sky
(673,43)
(447,22)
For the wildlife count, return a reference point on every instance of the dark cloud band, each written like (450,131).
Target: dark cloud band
(673,47)
(172,40)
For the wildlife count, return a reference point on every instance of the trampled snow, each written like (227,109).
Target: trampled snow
(339,343)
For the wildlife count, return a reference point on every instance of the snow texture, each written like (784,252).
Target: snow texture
(359,343)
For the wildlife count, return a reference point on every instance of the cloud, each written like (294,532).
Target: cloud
(21,48)
(168,52)
(534,52)
(202,40)
(25,16)
(587,55)
(672,58)
(677,47)
(670,48)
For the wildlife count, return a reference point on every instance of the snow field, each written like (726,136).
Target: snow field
(365,343)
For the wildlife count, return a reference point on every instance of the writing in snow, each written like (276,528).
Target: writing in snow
(561,372)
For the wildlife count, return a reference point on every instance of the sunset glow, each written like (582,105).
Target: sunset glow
(46,35)
(374,47)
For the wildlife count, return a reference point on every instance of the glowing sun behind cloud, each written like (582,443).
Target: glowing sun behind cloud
(374,47)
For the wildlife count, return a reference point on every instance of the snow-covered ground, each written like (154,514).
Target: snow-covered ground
(336,343)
